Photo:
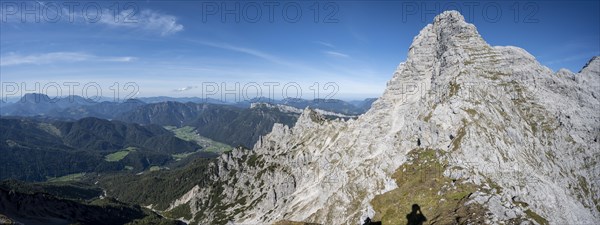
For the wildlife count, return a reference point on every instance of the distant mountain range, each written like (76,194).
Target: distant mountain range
(331,105)
(182,99)
(77,107)
(71,107)
(231,123)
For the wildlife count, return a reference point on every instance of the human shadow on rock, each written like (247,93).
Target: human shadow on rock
(415,217)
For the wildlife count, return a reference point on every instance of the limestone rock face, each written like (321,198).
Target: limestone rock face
(503,120)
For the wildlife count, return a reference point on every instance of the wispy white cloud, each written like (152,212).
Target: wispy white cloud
(326,44)
(249,51)
(300,70)
(336,54)
(12,59)
(139,19)
(185,88)
(148,20)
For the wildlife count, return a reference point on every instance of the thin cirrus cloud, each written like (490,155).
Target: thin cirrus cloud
(331,52)
(245,50)
(336,54)
(13,59)
(326,44)
(147,20)
(275,59)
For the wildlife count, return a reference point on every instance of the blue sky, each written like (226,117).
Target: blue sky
(187,48)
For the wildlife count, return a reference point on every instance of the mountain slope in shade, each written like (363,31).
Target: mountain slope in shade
(43,209)
(33,150)
(472,133)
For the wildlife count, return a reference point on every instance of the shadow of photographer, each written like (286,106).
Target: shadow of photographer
(415,217)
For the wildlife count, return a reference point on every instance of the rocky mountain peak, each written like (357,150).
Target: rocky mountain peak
(496,134)
(448,30)
(452,16)
(441,52)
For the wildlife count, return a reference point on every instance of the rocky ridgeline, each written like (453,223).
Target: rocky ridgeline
(511,141)
(294,110)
